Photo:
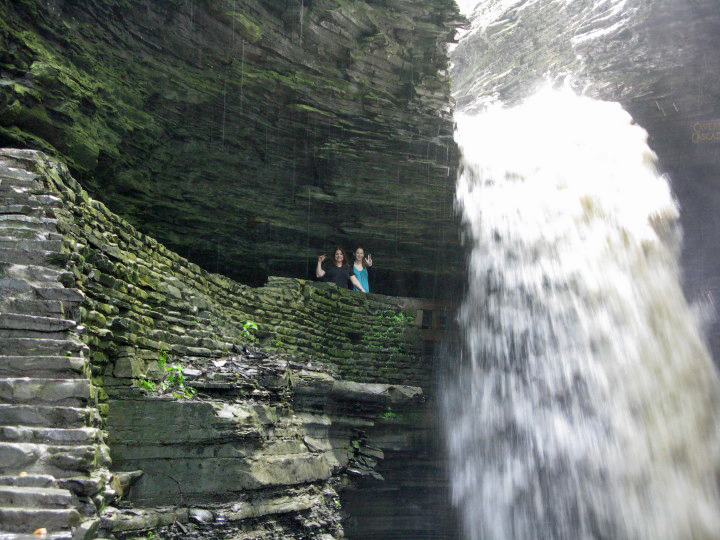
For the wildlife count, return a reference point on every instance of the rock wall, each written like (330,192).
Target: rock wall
(282,419)
(249,136)
(658,58)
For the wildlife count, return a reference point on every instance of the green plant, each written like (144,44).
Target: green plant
(389,414)
(280,346)
(172,380)
(148,385)
(249,332)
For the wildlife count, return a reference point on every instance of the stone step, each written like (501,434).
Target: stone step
(29,536)
(28,234)
(9,188)
(17,176)
(7,333)
(15,287)
(62,294)
(35,497)
(27,244)
(25,346)
(13,290)
(66,392)
(18,157)
(24,306)
(35,273)
(22,256)
(29,480)
(48,435)
(27,520)
(23,209)
(66,367)
(46,201)
(35,458)
(15,321)
(13,221)
(46,416)
(16,457)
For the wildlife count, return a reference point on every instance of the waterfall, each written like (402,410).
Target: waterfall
(586,406)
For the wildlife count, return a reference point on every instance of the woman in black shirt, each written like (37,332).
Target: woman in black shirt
(338,272)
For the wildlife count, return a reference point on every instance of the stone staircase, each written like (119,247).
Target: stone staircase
(49,443)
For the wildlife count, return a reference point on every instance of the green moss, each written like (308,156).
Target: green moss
(190,118)
(245,27)
(308,108)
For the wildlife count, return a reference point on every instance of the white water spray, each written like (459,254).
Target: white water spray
(589,406)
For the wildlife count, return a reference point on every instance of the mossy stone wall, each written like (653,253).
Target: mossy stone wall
(141,298)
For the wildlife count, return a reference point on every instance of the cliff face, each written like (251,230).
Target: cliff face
(140,391)
(658,58)
(249,135)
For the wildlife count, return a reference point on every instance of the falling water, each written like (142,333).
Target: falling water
(589,406)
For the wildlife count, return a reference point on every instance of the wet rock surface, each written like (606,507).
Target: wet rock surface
(249,136)
(259,406)
(53,458)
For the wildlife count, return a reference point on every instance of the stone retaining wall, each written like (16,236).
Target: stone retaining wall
(142,298)
(297,413)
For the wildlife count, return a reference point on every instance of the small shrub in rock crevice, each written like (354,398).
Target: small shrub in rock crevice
(249,332)
(172,380)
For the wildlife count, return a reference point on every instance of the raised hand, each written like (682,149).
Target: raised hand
(321,258)
(368,259)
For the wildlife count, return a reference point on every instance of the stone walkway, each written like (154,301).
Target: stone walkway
(49,439)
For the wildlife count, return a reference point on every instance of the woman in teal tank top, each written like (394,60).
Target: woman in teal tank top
(359,268)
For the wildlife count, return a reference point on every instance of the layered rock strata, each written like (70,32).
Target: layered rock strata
(249,136)
(278,426)
(53,455)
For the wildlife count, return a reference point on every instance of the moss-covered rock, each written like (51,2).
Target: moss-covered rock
(249,136)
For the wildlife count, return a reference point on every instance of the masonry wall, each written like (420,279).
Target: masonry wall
(287,417)
(142,298)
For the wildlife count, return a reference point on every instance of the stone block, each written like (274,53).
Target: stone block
(28,480)
(71,392)
(26,520)
(30,346)
(34,497)
(41,415)
(72,458)
(36,323)
(129,367)
(15,456)
(87,530)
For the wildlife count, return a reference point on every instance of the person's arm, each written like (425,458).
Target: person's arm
(319,272)
(355,282)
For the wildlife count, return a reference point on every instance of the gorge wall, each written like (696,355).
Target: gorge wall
(249,136)
(658,58)
(288,426)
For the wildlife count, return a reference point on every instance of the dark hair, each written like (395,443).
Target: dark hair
(364,264)
(341,250)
